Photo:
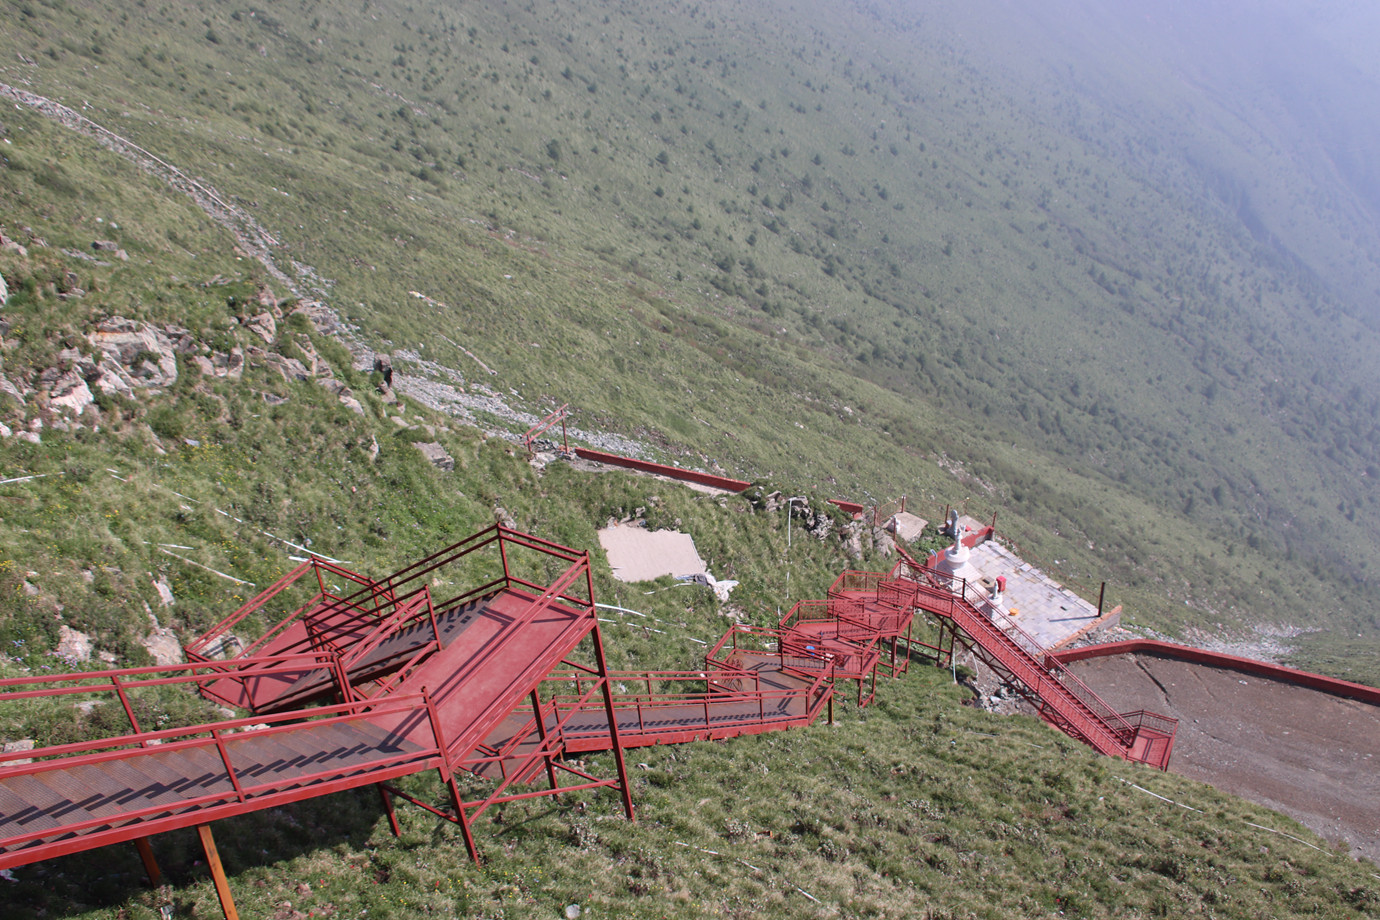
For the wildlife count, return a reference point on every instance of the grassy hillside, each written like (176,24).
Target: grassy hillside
(1044,268)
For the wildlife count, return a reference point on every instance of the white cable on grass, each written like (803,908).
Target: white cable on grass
(238,581)
(689,846)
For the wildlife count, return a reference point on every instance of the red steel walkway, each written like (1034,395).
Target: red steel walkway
(360,686)
(1057,695)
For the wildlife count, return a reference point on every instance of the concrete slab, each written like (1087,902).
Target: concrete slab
(638,554)
(1039,605)
(908,526)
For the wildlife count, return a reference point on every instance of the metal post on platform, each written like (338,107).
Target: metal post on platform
(388,809)
(603,673)
(541,733)
(1101,596)
(208,846)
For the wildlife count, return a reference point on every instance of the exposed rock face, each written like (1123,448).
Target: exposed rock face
(73,644)
(852,539)
(70,392)
(163,647)
(434,452)
(148,354)
(290,368)
(321,316)
(264,326)
(14,747)
(224,647)
(9,389)
(883,542)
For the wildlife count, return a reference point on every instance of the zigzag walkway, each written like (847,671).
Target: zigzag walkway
(359,688)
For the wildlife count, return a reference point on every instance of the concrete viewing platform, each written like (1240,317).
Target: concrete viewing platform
(1043,608)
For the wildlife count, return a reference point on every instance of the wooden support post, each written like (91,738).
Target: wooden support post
(1101,596)
(208,846)
(150,864)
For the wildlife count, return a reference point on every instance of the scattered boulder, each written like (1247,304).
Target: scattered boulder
(342,393)
(111,247)
(14,747)
(434,452)
(9,245)
(4,291)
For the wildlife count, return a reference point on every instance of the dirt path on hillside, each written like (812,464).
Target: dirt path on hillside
(1310,755)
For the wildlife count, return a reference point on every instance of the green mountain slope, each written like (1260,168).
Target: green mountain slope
(1107,273)
(1084,253)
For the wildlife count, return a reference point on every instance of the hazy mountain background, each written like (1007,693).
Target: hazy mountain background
(1109,271)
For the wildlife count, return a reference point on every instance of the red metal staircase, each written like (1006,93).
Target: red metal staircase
(361,685)
(1057,695)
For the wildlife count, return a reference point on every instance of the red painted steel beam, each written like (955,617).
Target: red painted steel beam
(661,469)
(852,508)
(1331,685)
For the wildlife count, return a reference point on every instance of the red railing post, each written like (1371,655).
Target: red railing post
(129,710)
(229,767)
(503,553)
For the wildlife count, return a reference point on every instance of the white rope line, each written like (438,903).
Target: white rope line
(238,581)
(644,616)
(689,846)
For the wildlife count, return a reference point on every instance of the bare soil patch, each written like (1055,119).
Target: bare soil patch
(1308,754)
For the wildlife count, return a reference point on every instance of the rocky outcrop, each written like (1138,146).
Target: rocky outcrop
(137,355)
(111,247)
(73,644)
(263,325)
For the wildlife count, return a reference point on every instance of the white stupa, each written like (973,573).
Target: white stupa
(957,562)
